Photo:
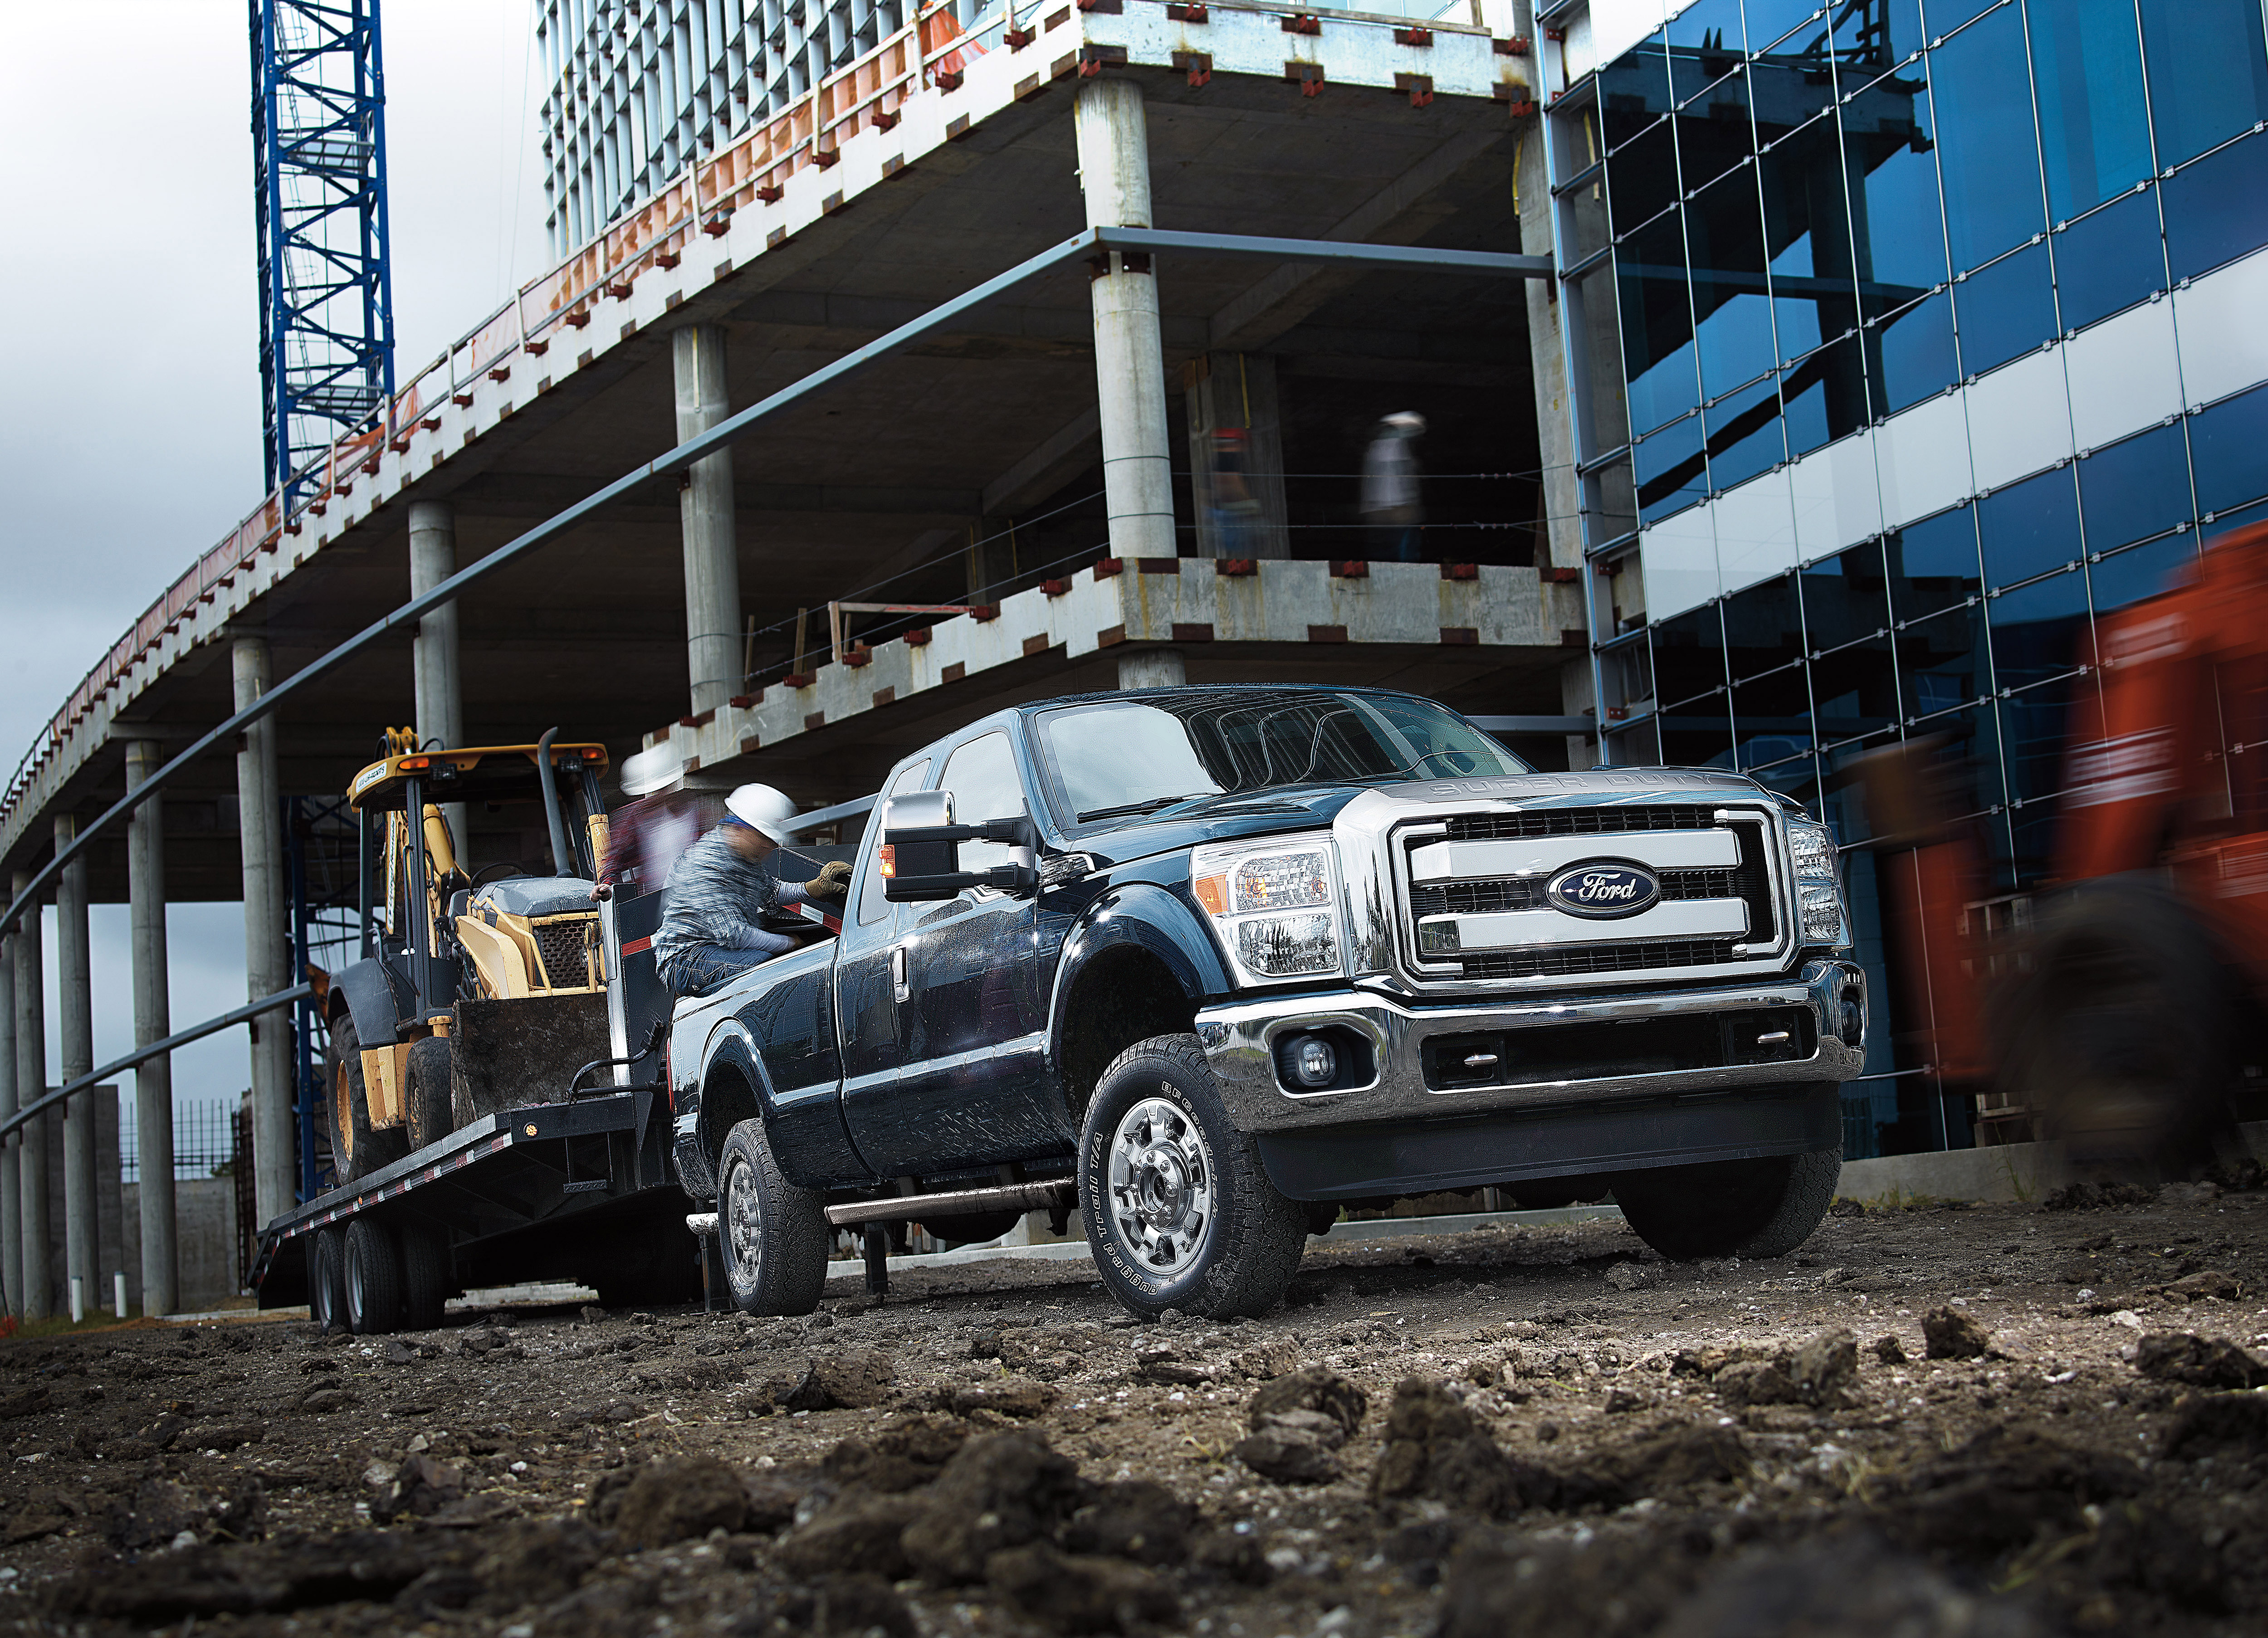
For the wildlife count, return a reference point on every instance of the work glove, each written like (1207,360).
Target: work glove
(831,882)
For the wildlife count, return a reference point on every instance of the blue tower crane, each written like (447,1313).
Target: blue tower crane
(319,190)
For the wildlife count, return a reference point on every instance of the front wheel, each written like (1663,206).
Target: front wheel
(1763,1207)
(773,1235)
(425,1089)
(1176,1204)
(357,1149)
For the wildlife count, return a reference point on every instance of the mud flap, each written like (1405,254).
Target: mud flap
(505,1054)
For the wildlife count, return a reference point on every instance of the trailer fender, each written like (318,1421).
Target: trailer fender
(368,996)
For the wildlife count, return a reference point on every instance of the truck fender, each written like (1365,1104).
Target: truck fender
(704,1120)
(368,996)
(1144,916)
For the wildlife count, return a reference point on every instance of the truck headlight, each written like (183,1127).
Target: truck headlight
(1818,882)
(1274,903)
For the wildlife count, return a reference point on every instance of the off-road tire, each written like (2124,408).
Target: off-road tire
(425,1089)
(1764,1208)
(1247,1248)
(773,1235)
(2126,1033)
(428,1276)
(327,1288)
(356,1149)
(373,1278)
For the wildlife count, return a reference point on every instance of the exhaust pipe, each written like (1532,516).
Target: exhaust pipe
(957,1202)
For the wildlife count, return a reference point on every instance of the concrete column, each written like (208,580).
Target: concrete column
(1154,668)
(31,1082)
(1113,169)
(1236,456)
(11,1208)
(153,1082)
(267,953)
(713,551)
(75,981)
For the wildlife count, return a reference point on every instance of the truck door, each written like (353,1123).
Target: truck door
(869,971)
(972,1082)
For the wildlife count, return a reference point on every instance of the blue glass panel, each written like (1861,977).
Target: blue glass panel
(1744,434)
(2005,310)
(2094,123)
(1634,91)
(1944,16)
(1788,93)
(2030,528)
(1732,312)
(1988,146)
(1898,224)
(2037,726)
(1770,22)
(1933,564)
(2107,262)
(1642,179)
(1771,720)
(1710,28)
(1669,469)
(1825,395)
(1714,133)
(1763,630)
(2141,571)
(1702,739)
(1909,356)
(1845,600)
(1855,689)
(1872,39)
(2208,73)
(1808,238)
(2036,629)
(1689,655)
(1943,661)
(2135,488)
(2228,445)
(2217,209)
(1657,323)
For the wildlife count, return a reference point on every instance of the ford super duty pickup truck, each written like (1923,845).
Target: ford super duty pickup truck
(1212,963)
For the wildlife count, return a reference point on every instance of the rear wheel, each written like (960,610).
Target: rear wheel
(773,1235)
(428,1279)
(356,1149)
(426,1090)
(2124,1034)
(373,1278)
(1176,1204)
(326,1297)
(1763,1207)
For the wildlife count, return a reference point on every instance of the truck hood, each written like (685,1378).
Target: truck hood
(1232,817)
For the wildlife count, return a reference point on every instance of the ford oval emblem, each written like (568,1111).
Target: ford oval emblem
(1602,891)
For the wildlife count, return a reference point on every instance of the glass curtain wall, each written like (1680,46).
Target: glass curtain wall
(1783,226)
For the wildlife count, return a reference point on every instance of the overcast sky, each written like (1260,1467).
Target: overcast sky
(129,365)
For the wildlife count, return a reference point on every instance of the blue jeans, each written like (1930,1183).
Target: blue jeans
(706,969)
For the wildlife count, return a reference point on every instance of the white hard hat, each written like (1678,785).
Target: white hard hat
(759,807)
(646,772)
(1408,423)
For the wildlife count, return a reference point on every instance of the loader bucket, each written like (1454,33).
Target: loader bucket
(506,1054)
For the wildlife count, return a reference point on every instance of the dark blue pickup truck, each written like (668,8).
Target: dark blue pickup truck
(1208,964)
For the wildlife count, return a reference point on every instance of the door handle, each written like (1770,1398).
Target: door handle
(900,990)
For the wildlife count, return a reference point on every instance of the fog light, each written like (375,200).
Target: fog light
(1315,1062)
(1851,1025)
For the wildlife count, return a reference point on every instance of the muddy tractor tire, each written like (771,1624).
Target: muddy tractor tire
(425,1089)
(373,1278)
(1176,1204)
(356,1149)
(2125,1034)
(1763,1207)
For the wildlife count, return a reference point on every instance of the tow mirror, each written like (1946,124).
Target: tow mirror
(920,855)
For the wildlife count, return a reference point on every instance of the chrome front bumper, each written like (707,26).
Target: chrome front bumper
(1240,1041)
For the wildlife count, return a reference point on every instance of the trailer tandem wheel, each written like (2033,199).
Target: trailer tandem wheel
(373,1278)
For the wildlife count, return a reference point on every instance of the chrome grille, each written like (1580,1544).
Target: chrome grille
(1532,942)
(563,944)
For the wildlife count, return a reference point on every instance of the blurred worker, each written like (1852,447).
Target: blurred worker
(1390,488)
(1231,508)
(647,836)
(719,891)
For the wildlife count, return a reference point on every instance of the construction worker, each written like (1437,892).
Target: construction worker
(1390,477)
(719,891)
(646,837)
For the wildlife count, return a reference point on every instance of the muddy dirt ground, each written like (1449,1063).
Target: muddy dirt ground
(2006,1419)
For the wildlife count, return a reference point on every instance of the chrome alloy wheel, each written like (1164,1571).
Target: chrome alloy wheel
(743,1221)
(1161,1186)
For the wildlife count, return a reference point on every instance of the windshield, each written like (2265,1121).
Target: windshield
(1145,755)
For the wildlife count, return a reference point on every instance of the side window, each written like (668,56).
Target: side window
(871,905)
(981,776)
